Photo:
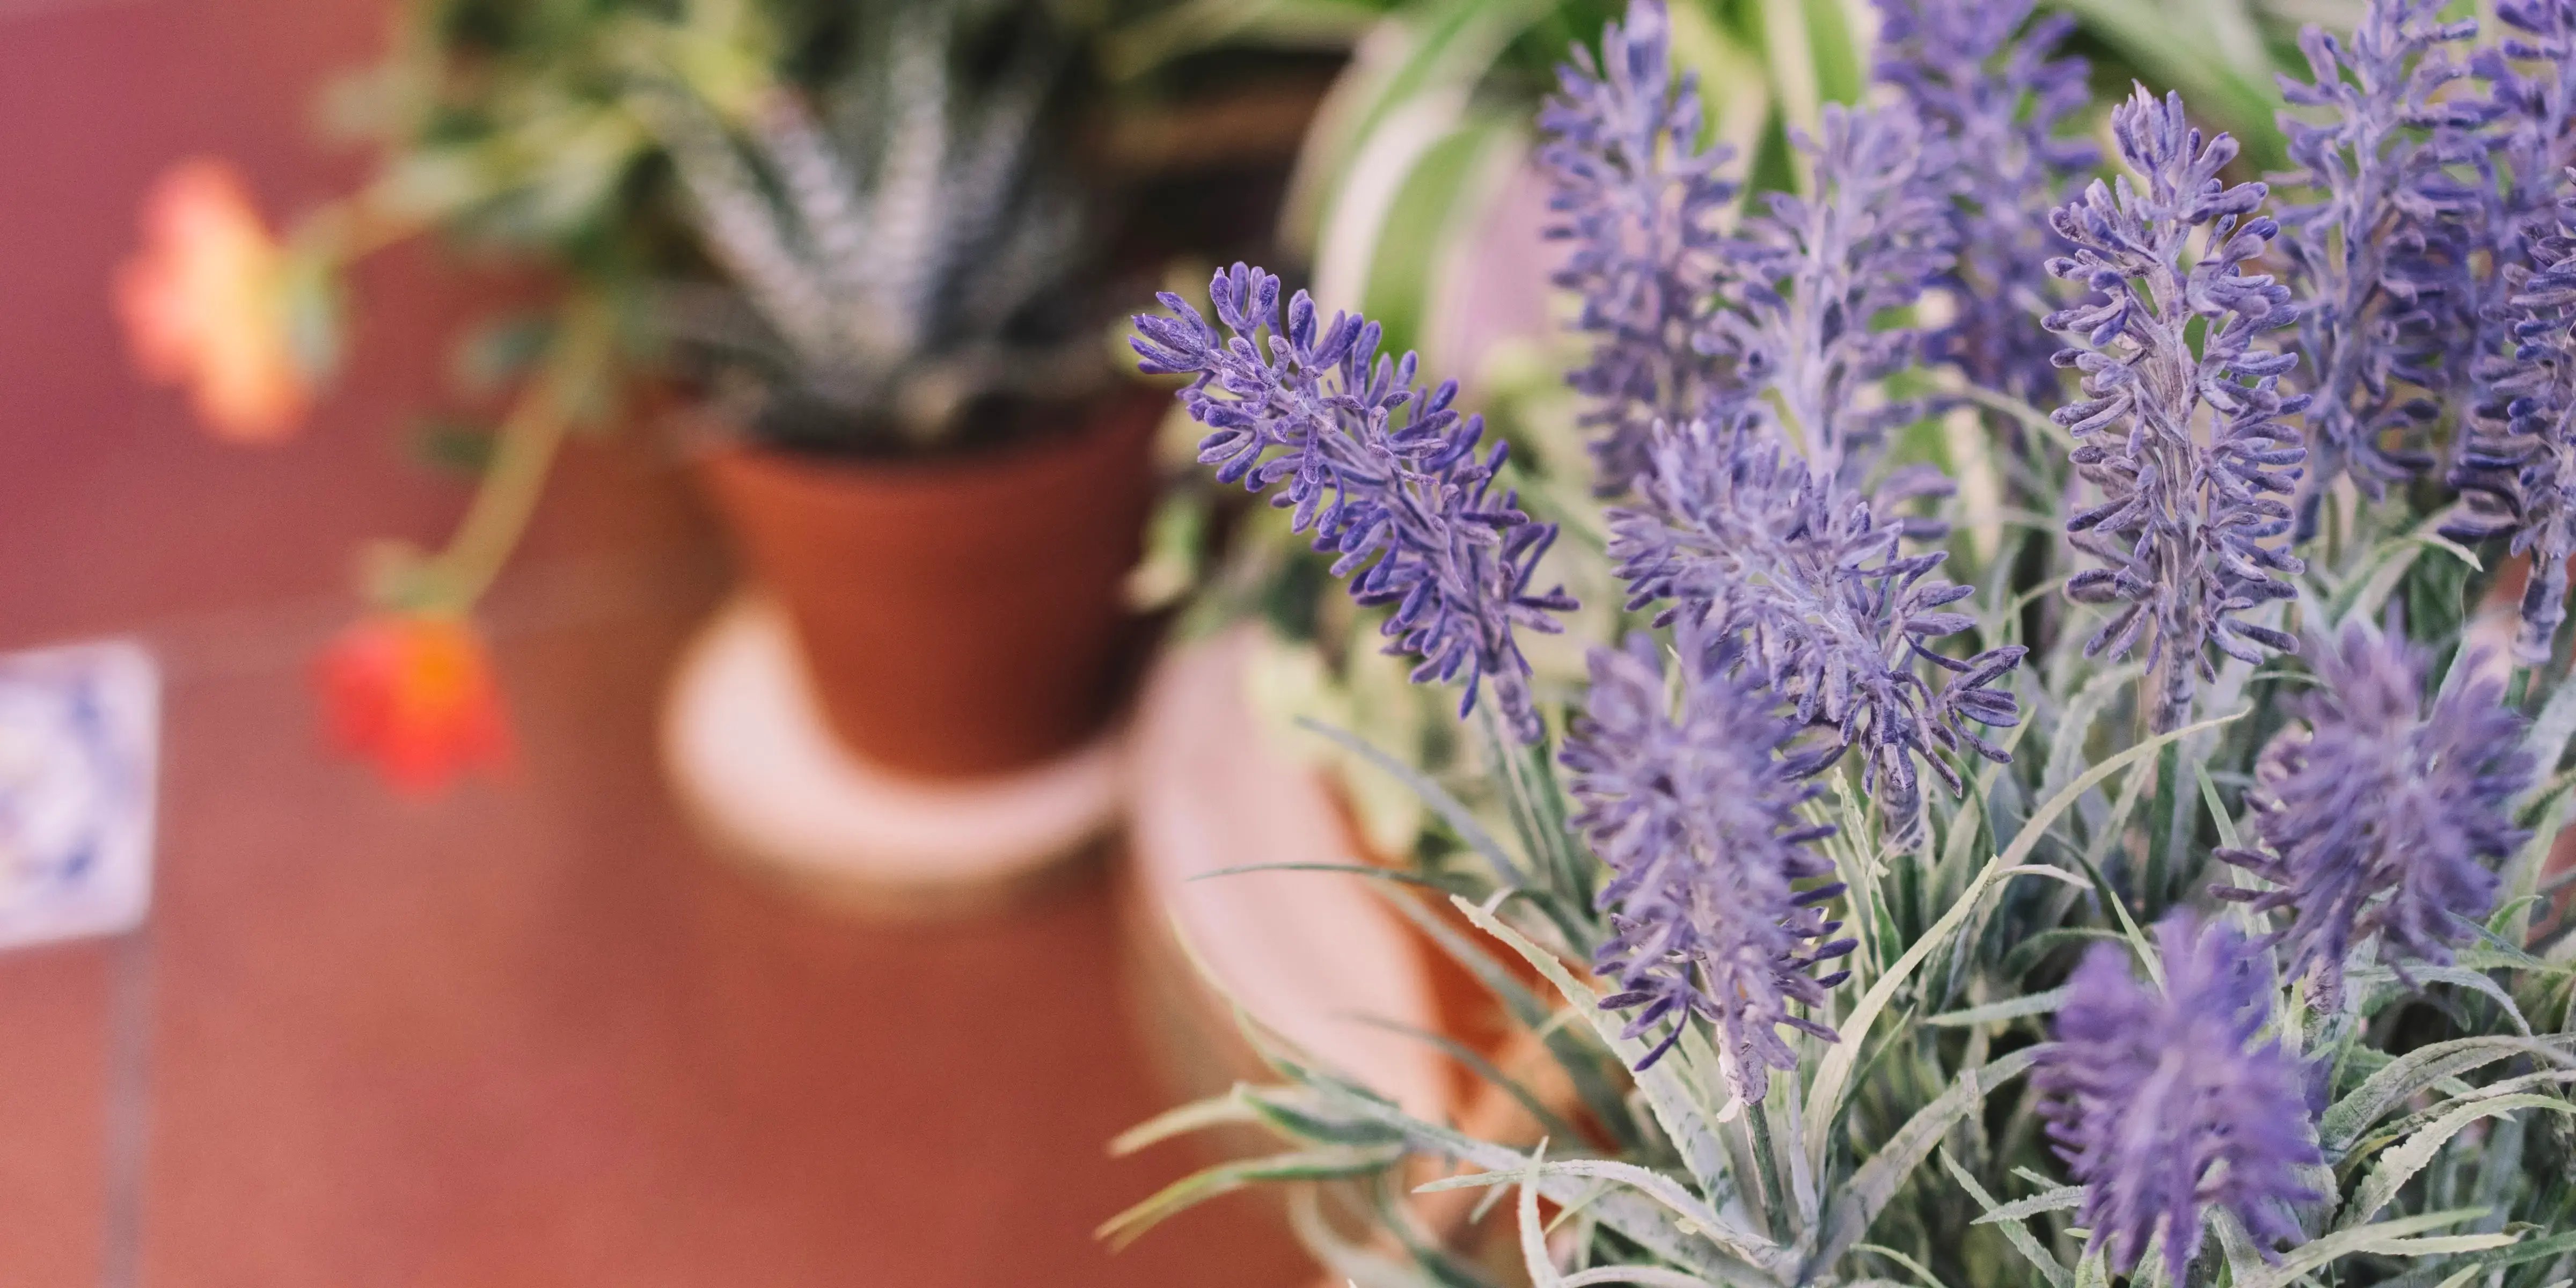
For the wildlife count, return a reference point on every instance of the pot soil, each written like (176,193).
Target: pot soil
(958,617)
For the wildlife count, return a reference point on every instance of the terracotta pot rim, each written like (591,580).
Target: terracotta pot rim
(1094,415)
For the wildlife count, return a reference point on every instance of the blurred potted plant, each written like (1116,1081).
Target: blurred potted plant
(924,459)
(842,235)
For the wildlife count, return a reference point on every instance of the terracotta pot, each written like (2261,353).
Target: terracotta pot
(959,617)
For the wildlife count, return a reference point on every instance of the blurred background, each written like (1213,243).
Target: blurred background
(613,682)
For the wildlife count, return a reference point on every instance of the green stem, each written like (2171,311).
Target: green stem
(506,498)
(2162,830)
(1766,1157)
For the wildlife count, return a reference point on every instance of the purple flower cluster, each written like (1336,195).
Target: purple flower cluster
(2509,465)
(2384,819)
(1385,475)
(1641,202)
(1689,800)
(1743,542)
(2380,260)
(2189,519)
(1810,278)
(2163,1106)
(1971,73)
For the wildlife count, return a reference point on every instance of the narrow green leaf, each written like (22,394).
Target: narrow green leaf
(1875,1182)
(2014,1231)
(1460,819)
(1834,1073)
(2343,1243)
(1225,1178)
(2401,1079)
(1651,1276)
(1634,1218)
(2402,1163)
(1196,1116)
(1654,1185)
(2008,1009)
(1684,1121)
(2060,1199)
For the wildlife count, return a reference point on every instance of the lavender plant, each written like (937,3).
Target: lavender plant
(2165,1105)
(2181,420)
(2506,461)
(2521,482)
(2383,818)
(1748,521)
(1984,75)
(1760,1012)
(2379,260)
(1811,279)
(1385,474)
(1690,803)
(1641,200)
(1737,537)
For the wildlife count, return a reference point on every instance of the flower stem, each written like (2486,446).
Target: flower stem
(522,461)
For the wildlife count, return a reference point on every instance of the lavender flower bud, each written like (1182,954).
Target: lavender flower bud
(2380,260)
(2163,1106)
(1971,74)
(1640,200)
(1687,799)
(2384,819)
(1741,541)
(2188,518)
(1383,473)
(1809,279)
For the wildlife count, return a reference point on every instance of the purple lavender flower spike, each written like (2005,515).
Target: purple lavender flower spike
(2380,260)
(2531,73)
(1384,473)
(1809,278)
(2518,472)
(2163,1106)
(1742,541)
(1971,73)
(2384,819)
(1640,200)
(2189,517)
(1688,800)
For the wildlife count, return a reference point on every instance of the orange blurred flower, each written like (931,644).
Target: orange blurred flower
(203,304)
(414,693)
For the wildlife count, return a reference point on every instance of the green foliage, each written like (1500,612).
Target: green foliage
(1909,1150)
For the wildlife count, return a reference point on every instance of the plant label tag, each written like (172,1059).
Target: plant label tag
(80,732)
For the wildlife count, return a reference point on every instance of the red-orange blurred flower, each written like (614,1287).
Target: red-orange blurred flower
(203,304)
(414,693)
